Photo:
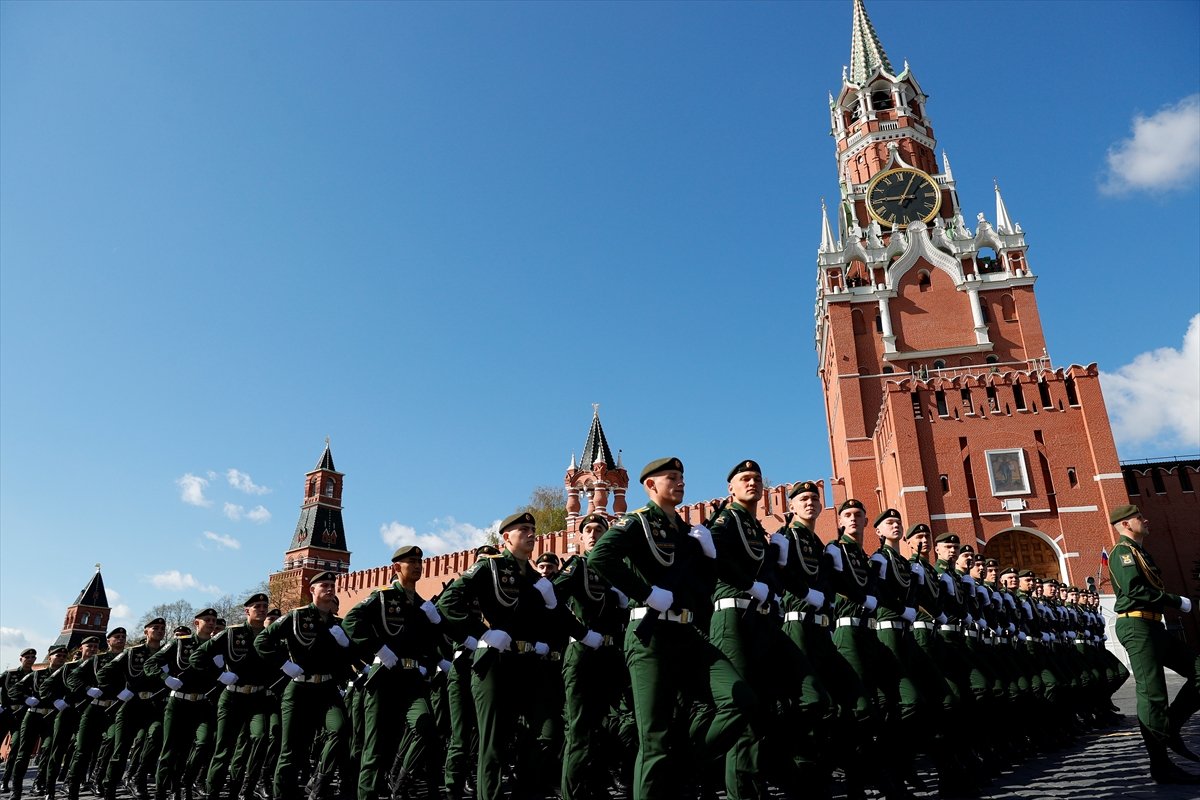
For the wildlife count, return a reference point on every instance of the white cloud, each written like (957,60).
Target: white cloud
(242,482)
(233,511)
(448,535)
(116,609)
(223,540)
(258,514)
(178,581)
(1155,399)
(1163,153)
(14,640)
(191,490)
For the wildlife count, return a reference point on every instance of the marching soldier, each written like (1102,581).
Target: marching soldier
(95,719)
(395,629)
(12,705)
(66,721)
(310,647)
(138,712)
(1141,600)
(665,567)
(229,657)
(40,696)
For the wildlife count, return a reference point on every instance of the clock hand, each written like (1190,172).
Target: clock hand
(909,197)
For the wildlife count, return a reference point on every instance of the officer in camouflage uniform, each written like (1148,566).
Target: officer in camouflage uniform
(1141,599)
(138,711)
(39,693)
(665,567)
(95,720)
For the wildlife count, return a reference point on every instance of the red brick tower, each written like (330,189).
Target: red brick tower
(319,543)
(941,397)
(87,616)
(596,476)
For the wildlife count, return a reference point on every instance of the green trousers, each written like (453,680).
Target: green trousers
(93,724)
(35,728)
(463,740)
(237,714)
(1150,649)
(599,730)
(395,707)
(134,717)
(66,724)
(306,710)
(184,725)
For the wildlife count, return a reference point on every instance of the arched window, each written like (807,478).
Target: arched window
(987,261)
(881,99)
(939,364)
(878,323)
(1008,308)
(860,324)
(923,280)
(329,489)
(993,359)
(888,370)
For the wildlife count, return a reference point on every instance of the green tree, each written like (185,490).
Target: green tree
(549,507)
(180,612)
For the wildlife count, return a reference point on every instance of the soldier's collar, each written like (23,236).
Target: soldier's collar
(738,506)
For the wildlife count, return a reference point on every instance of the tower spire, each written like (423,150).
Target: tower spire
(596,448)
(866,51)
(1003,223)
(828,244)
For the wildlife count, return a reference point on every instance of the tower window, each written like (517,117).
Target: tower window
(987,262)
(1044,393)
(881,100)
(329,489)
(1019,396)
(1185,480)
(923,281)
(993,359)
(940,397)
(944,480)
(1131,484)
(983,313)
(968,406)
(939,364)
(1156,479)
(857,321)
(888,370)
(1008,308)
(916,404)
(1072,398)
(878,323)
(1072,478)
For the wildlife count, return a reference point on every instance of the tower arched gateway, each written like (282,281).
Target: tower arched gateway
(1028,548)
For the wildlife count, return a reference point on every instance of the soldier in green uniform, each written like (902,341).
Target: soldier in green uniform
(510,596)
(1141,600)
(260,768)
(187,712)
(66,722)
(138,713)
(397,631)
(229,657)
(665,567)
(600,737)
(12,705)
(311,648)
(95,720)
(39,696)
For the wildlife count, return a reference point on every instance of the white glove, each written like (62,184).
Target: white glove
(339,635)
(969,619)
(494,637)
(470,643)
(660,600)
(1028,609)
(592,640)
(759,591)
(95,692)
(1185,605)
(228,678)
(919,571)
(942,619)
(445,666)
(292,669)
(970,583)
(386,657)
(1008,598)
(421,669)
(881,562)
(546,589)
(815,598)
(61,704)
(870,602)
(835,553)
(32,702)
(704,536)
(1045,636)
(1022,636)
(173,683)
(431,612)
(984,595)
(124,696)
(166,670)
(948,579)
(1104,637)
(541,648)
(781,541)
(219,660)
(622,598)
(366,670)
(910,614)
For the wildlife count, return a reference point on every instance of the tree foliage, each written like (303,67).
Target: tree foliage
(548,504)
(180,612)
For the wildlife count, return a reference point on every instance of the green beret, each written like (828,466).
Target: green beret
(966,548)
(486,550)
(91,640)
(947,537)
(320,577)
(804,487)
(852,503)
(660,465)
(212,612)
(257,597)
(991,562)
(182,630)
(913,530)
(1122,512)
(274,612)
(155,621)
(115,632)
(599,519)
(29,651)
(519,518)
(56,648)
(221,621)
(891,513)
(744,466)
(1008,571)
(548,558)
(1026,573)
(407,551)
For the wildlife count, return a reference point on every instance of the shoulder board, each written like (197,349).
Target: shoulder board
(641,510)
(488,555)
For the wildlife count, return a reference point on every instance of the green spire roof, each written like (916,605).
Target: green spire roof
(866,51)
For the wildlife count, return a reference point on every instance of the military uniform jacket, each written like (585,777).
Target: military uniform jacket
(30,685)
(503,587)
(128,671)
(87,674)
(235,646)
(928,593)
(743,555)
(10,691)
(302,636)
(1027,615)
(392,617)
(176,657)
(953,596)
(895,584)
(855,581)
(53,686)
(1137,580)
(648,547)
(590,597)
(808,566)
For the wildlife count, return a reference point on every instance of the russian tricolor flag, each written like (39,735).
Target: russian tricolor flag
(1103,556)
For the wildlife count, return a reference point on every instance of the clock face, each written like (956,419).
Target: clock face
(900,196)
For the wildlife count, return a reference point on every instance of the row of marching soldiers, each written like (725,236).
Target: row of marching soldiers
(664,660)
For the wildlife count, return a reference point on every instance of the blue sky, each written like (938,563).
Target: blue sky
(439,232)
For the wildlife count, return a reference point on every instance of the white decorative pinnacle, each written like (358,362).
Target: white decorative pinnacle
(572,461)
(1003,223)
(828,245)
(946,166)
